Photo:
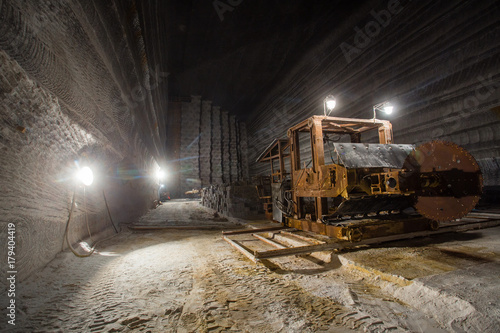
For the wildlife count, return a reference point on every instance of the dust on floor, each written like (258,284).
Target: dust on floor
(174,280)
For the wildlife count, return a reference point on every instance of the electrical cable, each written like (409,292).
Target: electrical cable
(69,219)
(66,231)
(281,205)
(86,215)
(109,213)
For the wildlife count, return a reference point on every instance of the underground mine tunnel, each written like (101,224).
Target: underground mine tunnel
(249,166)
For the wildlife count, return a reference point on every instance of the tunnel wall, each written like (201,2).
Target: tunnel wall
(75,89)
(234,200)
(210,149)
(437,61)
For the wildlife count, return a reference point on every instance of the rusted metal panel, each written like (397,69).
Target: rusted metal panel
(330,181)
(364,155)
(378,178)
(316,227)
(357,230)
(372,204)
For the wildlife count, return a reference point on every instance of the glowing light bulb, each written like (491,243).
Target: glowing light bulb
(160,174)
(388,109)
(86,176)
(329,104)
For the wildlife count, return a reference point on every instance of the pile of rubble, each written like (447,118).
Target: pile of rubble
(236,200)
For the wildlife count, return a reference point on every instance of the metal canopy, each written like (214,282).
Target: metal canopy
(363,155)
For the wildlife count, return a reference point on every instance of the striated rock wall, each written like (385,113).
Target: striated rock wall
(212,147)
(75,89)
(437,61)
(236,200)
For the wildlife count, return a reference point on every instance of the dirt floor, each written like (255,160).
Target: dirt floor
(187,279)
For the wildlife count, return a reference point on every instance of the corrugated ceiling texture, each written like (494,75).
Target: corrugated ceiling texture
(437,61)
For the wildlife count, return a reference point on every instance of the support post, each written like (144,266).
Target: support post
(318,157)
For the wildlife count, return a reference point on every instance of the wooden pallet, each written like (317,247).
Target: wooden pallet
(472,221)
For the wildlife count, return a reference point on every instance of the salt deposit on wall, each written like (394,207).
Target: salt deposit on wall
(75,88)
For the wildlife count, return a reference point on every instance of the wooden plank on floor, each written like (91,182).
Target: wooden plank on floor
(283,251)
(296,250)
(241,248)
(254,231)
(269,241)
(470,219)
(176,227)
(347,245)
(304,238)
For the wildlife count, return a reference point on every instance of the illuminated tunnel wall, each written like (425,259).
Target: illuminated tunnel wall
(76,89)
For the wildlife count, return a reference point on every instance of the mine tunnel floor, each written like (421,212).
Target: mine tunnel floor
(182,277)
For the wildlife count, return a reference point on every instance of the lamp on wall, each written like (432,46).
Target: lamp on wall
(160,175)
(329,104)
(85,176)
(385,107)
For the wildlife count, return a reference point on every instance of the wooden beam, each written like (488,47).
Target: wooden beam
(241,248)
(283,251)
(296,250)
(269,241)
(175,227)
(254,231)
(304,238)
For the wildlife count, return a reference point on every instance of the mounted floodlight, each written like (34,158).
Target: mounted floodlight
(385,107)
(160,174)
(388,109)
(85,175)
(329,104)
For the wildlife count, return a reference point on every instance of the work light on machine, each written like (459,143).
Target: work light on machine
(385,107)
(329,104)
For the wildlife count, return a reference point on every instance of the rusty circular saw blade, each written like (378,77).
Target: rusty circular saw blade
(441,156)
